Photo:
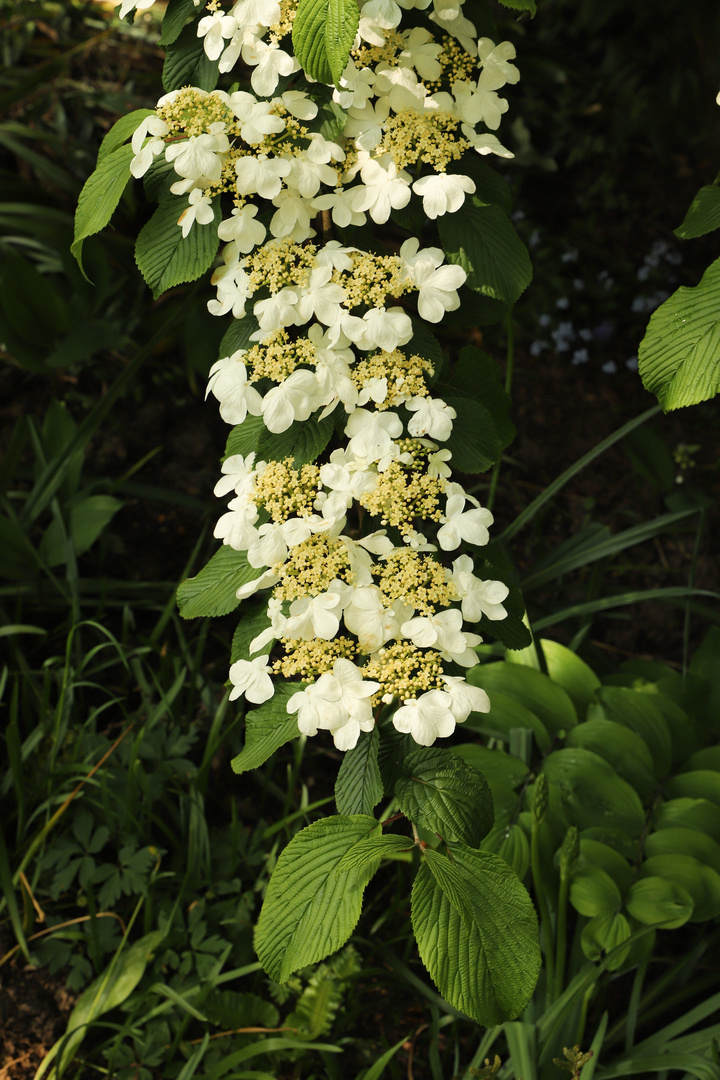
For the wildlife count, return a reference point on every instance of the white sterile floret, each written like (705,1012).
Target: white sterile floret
(372,435)
(437,464)
(386,188)
(293,217)
(273,631)
(253,679)
(478,597)
(155,127)
(239,474)
(232,284)
(485,143)
(365,124)
(299,105)
(495,59)
(294,399)
(356,86)
(275,312)
(384,329)
(441,631)
(460,524)
(458,27)
(314,617)
(473,104)
(421,53)
(236,528)
(437,284)
(320,298)
(433,417)
(338,702)
(215,28)
(256,118)
(199,209)
(197,159)
(372,623)
(443,193)
(260,175)
(427,718)
(342,204)
(464,699)
(243,229)
(270,63)
(229,383)
(129,5)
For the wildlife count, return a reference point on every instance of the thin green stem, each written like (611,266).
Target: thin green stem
(509,368)
(561,936)
(544,910)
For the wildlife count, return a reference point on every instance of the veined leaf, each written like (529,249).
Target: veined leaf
(267,729)
(308,38)
(122,130)
(484,242)
(371,848)
(303,441)
(445,795)
(341,24)
(214,590)
(174,19)
(477,933)
(704,214)
(309,909)
(359,787)
(187,63)
(530,688)
(678,355)
(166,258)
(100,195)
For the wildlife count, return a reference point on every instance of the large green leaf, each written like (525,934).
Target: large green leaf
(530,688)
(622,748)
(166,258)
(343,18)
(482,428)
(703,215)
(303,441)
(309,910)
(359,787)
(88,518)
(122,130)
(477,933)
(506,715)
(308,38)
(603,934)
(689,813)
(187,64)
(267,729)
(567,670)
(637,712)
(678,355)
(174,19)
(446,796)
(100,195)
(654,900)
(237,336)
(483,240)
(594,892)
(592,793)
(214,590)
(701,881)
(253,620)
(697,784)
(684,842)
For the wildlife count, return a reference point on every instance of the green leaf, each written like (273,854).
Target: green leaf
(484,242)
(506,715)
(678,355)
(100,195)
(498,767)
(122,130)
(477,933)
(176,15)
(237,336)
(622,748)
(701,881)
(689,814)
(341,24)
(166,258)
(698,784)
(371,848)
(303,441)
(684,842)
(592,793)
(446,796)
(473,441)
(704,214)
(214,590)
(309,910)
(308,38)
(595,854)
(594,892)
(638,712)
(88,518)
(267,729)
(530,688)
(521,5)
(187,64)
(510,842)
(482,428)
(359,787)
(605,933)
(653,900)
(489,184)
(253,620)
(567,670)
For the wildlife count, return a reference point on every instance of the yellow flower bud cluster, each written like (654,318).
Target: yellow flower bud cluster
(404,671)
(311,567)
(280,263)
(405,375)
(309,659)
(373,278)
(285,491)
(416,578)
(405,491)
(278,356)
(429,137)
(192,111)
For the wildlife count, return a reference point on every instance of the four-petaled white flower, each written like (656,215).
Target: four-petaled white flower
(253,679)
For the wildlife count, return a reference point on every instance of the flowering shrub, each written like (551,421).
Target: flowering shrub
(344,540)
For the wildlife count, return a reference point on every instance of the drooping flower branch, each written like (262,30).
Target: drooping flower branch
(366,608)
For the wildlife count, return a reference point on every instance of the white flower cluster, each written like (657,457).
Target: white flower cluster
(364,605)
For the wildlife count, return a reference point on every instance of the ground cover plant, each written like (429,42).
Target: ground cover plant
(572,815)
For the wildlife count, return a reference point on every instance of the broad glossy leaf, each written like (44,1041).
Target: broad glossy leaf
(187,64)
(592,793)
(605,933)
(267,728)
(654,900)
(303,441)
(176,15)
(497,766)
(703,215)
(638,712)
(484,242)
(359,787)
(707,758)
(701,881)
(213,591)
(686,813)
(506,714)
(684,842)
(620,747)
(100,195)
(374,847)
(594,892)
(477,933)
(677,356)
(510,842)
(698,784)
(530,688)
(310,911)
(567,670)
(443,794)
(594,853)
